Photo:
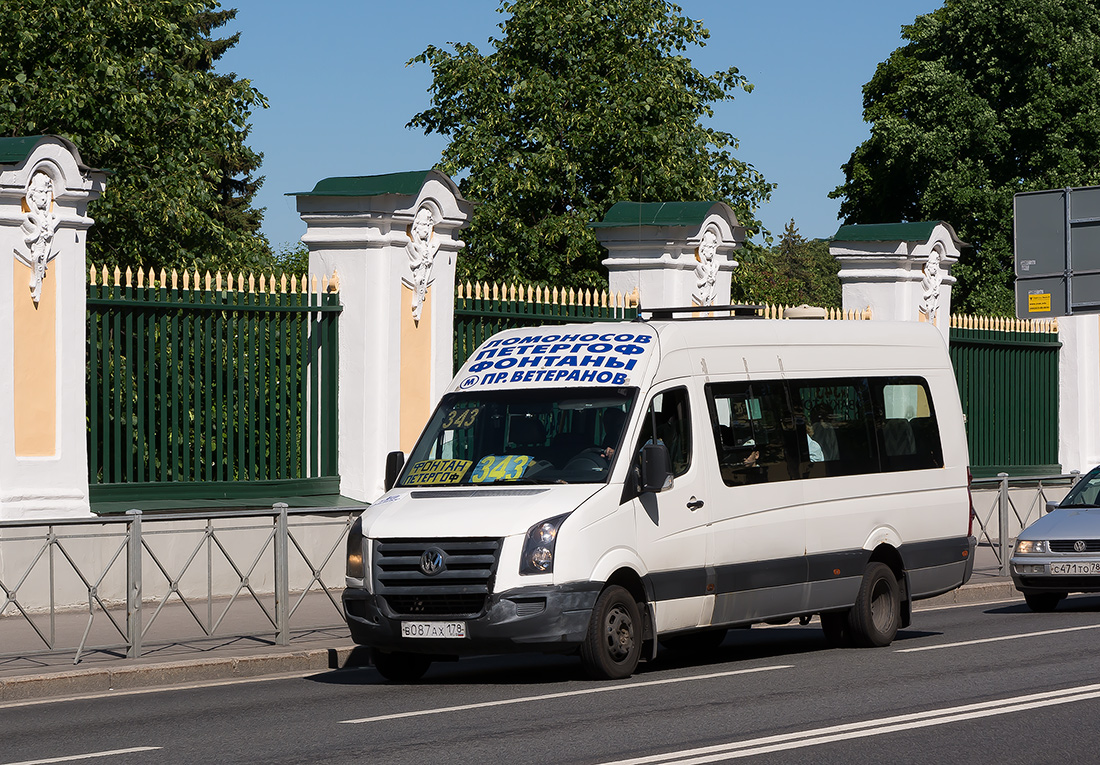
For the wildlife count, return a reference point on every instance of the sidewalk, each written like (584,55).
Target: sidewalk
(164,662)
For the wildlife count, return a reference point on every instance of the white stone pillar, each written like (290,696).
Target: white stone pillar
(44,195)
(902,271)
(675,254)
(393,240)
(1079,393)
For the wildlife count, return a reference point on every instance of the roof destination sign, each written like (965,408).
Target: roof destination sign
(1057,244)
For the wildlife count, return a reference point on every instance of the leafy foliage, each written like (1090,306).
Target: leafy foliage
(131,84)
(795,271)
(581,104)
(986,100)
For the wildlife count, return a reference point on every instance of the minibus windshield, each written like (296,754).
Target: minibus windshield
(534,435)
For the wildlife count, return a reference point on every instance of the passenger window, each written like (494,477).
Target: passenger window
(839,427)
(910,438)
(669,412)
(754,432)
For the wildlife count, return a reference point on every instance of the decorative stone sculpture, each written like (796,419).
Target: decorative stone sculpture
(421,249)
(930,283)
(38,229)
(706,272)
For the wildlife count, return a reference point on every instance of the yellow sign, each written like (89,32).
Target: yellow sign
(505,467)
(1038,302)
(436,472)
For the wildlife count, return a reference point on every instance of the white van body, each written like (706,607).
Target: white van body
(511,528)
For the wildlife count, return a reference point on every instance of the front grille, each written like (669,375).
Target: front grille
(460,588)
(1066,545)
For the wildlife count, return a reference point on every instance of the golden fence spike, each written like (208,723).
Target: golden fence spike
(91,275)
(335,283)
(163,278)
(324,282)
(313,283)
(129,277)
(263,283)
(141,278)
(186,280)
(282,283)
(294,283)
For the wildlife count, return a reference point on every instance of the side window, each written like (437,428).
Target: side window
(908,433)
(668,412)
(839,427)
(754,432)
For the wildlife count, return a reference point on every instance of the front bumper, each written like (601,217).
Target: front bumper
(1032,574)
(526,619)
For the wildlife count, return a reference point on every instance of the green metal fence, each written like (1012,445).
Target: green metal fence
(482,310)
(211,391)
(1007,373)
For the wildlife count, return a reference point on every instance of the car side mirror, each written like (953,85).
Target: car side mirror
(394,462)
(1052,505)
(654,468)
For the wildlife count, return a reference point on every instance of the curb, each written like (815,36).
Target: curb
(84,681)
(972,593)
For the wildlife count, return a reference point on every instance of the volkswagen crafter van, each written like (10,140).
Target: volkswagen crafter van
(600,489)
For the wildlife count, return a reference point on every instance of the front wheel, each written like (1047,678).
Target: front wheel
(400,667)
(876,616)
(613,645)
(1043,602)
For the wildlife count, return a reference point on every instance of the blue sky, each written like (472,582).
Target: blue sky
(340,93)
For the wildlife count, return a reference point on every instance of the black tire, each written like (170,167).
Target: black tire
(835,626)
(876,616)
(613,645)
(1043,602)
(706,641)
(400,667)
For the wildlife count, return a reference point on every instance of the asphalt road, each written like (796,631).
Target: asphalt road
(981,683)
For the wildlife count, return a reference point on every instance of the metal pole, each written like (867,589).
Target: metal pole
(133,584)
(282,575)
(1002,512)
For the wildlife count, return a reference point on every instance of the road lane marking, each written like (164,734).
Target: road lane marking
(561,695)
(88,756)
(866,728)
(998,639)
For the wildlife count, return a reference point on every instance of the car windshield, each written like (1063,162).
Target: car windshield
(540,435)
(1084,493)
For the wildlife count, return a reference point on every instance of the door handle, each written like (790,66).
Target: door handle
(694,504)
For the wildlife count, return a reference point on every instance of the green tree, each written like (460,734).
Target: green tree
(581,104)
(795,271)
(131,83)
(986,100)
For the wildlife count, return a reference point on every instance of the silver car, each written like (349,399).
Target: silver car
(1060,552)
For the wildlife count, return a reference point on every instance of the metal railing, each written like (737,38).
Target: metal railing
(129,569)
(1032,490)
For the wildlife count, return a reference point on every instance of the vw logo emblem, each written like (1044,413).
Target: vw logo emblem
(1079,546)
(431,562)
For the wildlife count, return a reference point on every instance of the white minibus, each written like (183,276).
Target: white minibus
(602,489)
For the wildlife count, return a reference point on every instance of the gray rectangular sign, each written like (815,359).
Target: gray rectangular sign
(1057,245)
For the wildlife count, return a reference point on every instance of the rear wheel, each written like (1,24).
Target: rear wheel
(1043,601)
(613,645)
(400,667)
(876,616)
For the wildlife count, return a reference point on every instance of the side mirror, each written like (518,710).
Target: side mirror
(655,468)
(1052,505)
(394,462)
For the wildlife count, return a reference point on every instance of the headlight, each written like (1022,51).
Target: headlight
(355,567)
(1029,547)
(538,547)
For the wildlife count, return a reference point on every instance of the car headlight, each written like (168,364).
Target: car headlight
(1031,547)
(538,547)
(355,567)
